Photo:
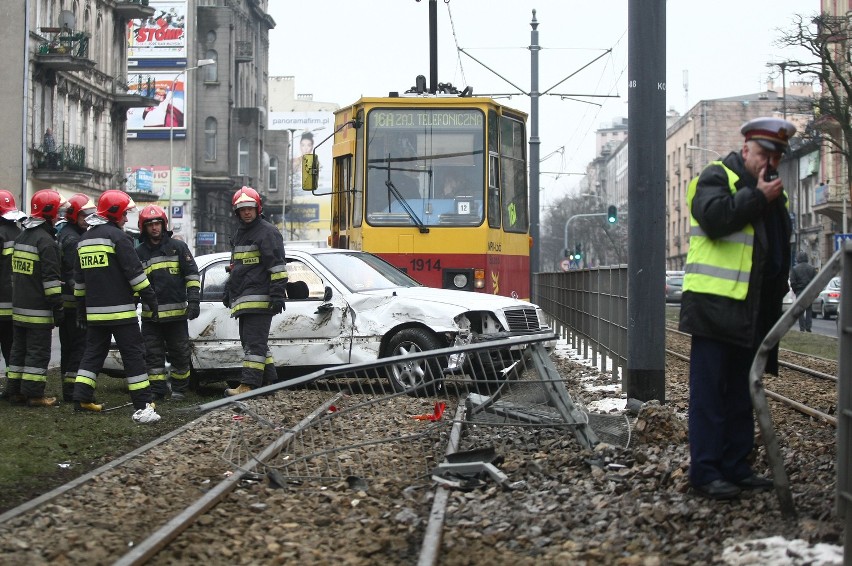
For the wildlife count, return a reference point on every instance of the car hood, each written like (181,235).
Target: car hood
(463,300)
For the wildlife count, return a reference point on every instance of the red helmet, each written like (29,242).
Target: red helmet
(246,196)
(79,203)
(45,204)
(152,213)
(8,208)
(113,203)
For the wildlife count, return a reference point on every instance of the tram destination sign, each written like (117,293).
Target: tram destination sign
(418,118)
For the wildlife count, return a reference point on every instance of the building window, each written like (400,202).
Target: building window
(242,157)
(210,127)
(211,72)
(273,173)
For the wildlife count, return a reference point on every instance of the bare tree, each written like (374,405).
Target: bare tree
(827,41)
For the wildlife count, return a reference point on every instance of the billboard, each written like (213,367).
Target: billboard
(169,88)
(154,179)
(162,36)
(307,130)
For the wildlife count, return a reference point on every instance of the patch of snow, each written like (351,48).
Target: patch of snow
(778,551)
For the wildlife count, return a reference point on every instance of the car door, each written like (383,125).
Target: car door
(303,335)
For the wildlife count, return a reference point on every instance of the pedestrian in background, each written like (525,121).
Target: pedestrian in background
(36,300)
(735,280)
(800,277)
(108,276)
(72,338)
(173,274)
(255,288)
(9,230)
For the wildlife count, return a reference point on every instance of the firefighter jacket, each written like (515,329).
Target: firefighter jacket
(68,238)
(37,289)
(8,232)
(108,274)
(172,271)
(258,272)
(736,302)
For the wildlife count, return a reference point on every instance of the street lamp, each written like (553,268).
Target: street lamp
(783,66)
(696,148)
(201,63)
(283,198)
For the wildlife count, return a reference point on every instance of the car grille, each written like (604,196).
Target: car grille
(521,319)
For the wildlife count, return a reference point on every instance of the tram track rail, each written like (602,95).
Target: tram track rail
(791,371)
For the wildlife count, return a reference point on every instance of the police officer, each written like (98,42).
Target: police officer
(255,288)
(72,338)
(735,280)
(9,230)
(36,300)
(172,271)
(108,275)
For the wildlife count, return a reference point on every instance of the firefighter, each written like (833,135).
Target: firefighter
(72,338)
(9,230)
(36,300)
(255,288)
(107,276)
(172,271)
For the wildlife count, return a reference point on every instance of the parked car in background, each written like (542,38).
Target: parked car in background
(674,286)
(827,301)
(346,306)
(787,301)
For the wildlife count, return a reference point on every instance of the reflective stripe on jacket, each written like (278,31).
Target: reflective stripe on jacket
(721,266)
(36,287)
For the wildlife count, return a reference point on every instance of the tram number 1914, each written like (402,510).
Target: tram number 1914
(425,265)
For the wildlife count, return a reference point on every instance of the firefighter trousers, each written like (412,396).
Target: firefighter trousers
(72,342)
(30,356)
(258,365)
(129,340)
(167,340)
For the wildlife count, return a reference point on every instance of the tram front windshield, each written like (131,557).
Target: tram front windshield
(425,167)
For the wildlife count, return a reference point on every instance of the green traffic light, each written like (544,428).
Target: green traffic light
(612,214)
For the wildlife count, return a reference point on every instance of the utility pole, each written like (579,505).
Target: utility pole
(535,151)
(645,375)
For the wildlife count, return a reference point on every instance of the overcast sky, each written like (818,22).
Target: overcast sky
(339,50)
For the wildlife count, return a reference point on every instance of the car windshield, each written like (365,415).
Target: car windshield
(364,272)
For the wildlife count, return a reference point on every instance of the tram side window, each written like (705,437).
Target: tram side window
(358,185)
(513,176)
(494,213)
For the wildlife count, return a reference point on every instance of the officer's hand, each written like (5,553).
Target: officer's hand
(226,299)
(152,307)
(278,305)
(193,309)
(81,317)
(58,316)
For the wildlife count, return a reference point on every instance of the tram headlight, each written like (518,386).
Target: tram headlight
(460,280)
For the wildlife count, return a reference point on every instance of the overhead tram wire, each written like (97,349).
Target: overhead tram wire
(456,41)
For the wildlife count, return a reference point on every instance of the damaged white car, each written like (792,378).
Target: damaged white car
(346,306)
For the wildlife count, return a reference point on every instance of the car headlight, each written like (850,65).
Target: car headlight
(460,280)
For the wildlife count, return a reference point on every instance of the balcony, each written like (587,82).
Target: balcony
(65,165)
(133,9)
(243,52)
(66,50)
(137,92)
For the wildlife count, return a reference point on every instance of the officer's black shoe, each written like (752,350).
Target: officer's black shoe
(718,489)
(754,482)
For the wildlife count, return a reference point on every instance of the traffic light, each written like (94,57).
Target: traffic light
(612,214)
(578,255)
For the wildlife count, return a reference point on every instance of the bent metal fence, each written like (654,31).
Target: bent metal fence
(502,395)
(589,308)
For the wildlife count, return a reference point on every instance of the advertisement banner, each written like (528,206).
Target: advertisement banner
(162,36)
(307,129)
(155,180)
(169,89)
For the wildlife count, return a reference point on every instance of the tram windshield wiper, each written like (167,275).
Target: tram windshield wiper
(406,207)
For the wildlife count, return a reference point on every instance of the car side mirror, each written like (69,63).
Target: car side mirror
(326,296)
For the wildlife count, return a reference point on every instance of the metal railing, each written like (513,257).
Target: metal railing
(141,85)
(67,42)
(66,157)
(588,307)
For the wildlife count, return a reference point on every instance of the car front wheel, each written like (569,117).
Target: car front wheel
(422,377)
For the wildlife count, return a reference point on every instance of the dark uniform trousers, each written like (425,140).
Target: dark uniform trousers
(72,342)
(6,337)
(721,421)
(258,364)
(28,361)
(128,338)
(175,335)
